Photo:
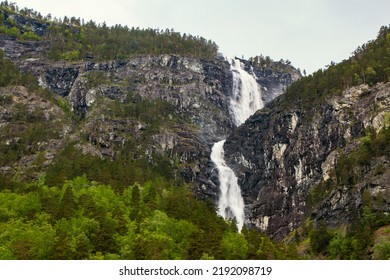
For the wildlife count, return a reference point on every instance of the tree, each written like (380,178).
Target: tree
(234,246)
(67,203)
(135,214)
(162,237)
(268,250)
(319,238)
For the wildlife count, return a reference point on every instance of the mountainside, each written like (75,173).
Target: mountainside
(320,152)
(159,105)
(106,136)
(281,155)
(167,108)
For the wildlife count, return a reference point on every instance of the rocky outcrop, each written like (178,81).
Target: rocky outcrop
(32,131)
(279,155)
(24,23)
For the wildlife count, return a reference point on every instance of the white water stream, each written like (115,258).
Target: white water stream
(245,101)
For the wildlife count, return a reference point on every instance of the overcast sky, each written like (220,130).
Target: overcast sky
(310,33)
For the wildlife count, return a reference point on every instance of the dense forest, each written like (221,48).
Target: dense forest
(73,39)
(85,207)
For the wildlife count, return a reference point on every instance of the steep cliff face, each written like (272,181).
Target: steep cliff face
(280,155)
(166,105)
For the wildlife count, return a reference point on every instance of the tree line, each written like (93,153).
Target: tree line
(369,64)
(74,39)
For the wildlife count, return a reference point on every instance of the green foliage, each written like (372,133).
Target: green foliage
(11,76)
(319,239)
(63,104)
(26,240)
(355,241)
(162,237)
(128,167)
(101,42)
(9,73)
(350,169)
(29,35)
(125,170)
(261,61)
(382,249)
(10,27)
(344,247)
(29,130)
(87,220)
(270,250)
(234,246)
(319,193)
(71,55)
(71,39)
(369,64)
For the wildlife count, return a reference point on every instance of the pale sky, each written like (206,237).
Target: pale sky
(310,33)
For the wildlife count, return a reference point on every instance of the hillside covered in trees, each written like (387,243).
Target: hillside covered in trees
(73,39)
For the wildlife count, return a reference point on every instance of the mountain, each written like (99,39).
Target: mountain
(106,135)
(318,156)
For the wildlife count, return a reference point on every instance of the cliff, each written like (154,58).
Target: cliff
(281,155)
(168,106)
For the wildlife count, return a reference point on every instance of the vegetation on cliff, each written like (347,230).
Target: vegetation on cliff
(73,39)
(369,64)
(283,66)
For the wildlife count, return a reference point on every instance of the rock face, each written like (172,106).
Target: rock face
(197,90)
(32,131)
(279,155)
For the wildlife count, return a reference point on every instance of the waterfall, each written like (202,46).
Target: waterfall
(245,100)
(230,202)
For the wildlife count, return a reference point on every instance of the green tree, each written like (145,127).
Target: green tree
(67,203)
(268,250)
(135,213)
(162,237)
(319,238)
(234,246)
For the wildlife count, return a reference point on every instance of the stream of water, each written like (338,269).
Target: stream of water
(245,101)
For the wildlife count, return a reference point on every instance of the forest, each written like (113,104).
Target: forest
(73,39)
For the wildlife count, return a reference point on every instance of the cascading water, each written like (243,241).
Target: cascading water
(230,203)
(245,101)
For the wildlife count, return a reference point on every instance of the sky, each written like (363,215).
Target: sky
(309,33)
